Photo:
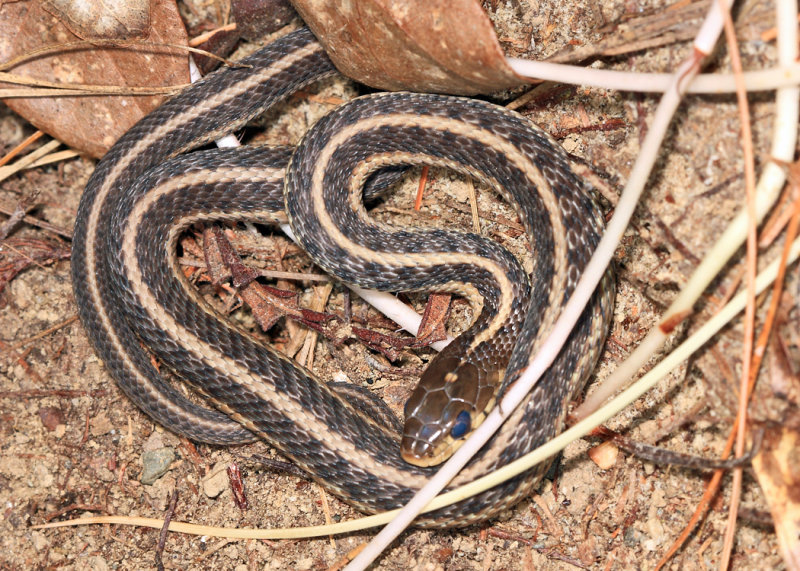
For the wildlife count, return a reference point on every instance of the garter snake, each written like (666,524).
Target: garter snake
(130,291)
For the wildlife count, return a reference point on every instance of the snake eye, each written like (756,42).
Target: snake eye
(462,425)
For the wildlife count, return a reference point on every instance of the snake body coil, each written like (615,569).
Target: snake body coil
(129,288)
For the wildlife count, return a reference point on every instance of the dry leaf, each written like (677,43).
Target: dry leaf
(434,319)
(125,20)
(438,46)
(777,467)
(91,124)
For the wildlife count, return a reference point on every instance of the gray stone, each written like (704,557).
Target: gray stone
(155,464)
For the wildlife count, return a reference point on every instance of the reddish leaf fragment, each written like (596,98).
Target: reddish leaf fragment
(281,293)
(237,487)
(336,330)
(51,417)
(268,304)
(268,307)
(439,46)
(312,318)
(388,345)
(218,271)
(240,274)
(434,318)
(329,326)
(91,124)
(265,313)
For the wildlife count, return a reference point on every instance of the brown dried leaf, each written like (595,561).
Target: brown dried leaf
(51,417)
(434,318)
(125,20)
(269,304)
(777,468)
(439,46)
(237,487)
(91,124)
(216,266)
(221,44)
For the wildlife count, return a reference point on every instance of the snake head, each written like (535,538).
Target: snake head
(451,399)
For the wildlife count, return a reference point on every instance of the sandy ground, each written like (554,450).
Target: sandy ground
(70,439)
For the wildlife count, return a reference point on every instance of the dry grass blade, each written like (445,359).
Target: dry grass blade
(760,347)
(750,310)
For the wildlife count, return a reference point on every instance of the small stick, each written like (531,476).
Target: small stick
(162,537)
(423,180)
(19,148)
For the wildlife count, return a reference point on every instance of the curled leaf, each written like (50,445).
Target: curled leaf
(777,468)
(90,124)
(438,46)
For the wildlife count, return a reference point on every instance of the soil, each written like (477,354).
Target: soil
(72,444)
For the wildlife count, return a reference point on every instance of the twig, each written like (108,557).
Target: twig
(752,253)
(473,202)
(81,89)
(162,537)
(196,41)
(787,75)
(28,159)
(42,393)
(423,181)
(44,333)
(33,221)
(658,455)
(19,148)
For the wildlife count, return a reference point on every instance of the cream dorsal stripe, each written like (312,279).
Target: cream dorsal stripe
(218,104)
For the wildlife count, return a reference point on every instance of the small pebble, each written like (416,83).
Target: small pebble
(154,442)
(100,425)
(604,455)
(155,464)
(216,481)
